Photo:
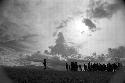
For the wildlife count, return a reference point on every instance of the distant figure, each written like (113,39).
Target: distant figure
(89,66)
(114,67)
(85,67)
(72,66)
(75,66)
(120,65)
(44,63)
(80,67)
(67,66)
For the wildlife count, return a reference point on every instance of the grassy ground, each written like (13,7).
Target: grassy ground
(38,75)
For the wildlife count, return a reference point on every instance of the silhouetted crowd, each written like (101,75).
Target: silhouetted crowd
(93,67)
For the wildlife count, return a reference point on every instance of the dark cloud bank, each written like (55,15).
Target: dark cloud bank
(90,24)
(100,9)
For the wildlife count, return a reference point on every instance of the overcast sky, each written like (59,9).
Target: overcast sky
(89,25)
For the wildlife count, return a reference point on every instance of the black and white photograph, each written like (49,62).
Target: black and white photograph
(62,41)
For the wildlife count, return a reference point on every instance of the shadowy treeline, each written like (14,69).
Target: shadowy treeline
(93,67)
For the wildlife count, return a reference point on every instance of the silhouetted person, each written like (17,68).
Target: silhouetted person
(109,67)
(89,66)
(114,67)
(119,65)
(104,67)
(94,67)
(75,66)
(44,63)
(67,66)
(72,66)
(80,67)
(85,67)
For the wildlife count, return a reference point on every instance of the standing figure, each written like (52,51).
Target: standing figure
(75,66)
(67,66)
(80,67)
(89,66)
(85,67)
(72,66)
(44,63)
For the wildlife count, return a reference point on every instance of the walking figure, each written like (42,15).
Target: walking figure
(44,63)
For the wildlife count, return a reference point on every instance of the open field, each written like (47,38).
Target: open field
(38,75)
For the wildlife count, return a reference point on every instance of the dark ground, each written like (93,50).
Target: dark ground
(38,75)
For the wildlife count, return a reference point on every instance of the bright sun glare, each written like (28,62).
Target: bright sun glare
(77,31)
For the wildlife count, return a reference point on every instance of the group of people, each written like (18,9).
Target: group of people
(90,66)
(93,67)
(73,67)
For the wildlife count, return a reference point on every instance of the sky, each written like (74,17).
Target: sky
(89,25)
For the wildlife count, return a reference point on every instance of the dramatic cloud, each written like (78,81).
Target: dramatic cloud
(90,24)
(61,47)
(13,34)
(104,9)
(36,24)
(38,18)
